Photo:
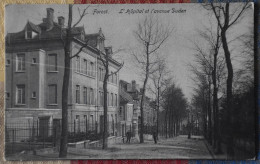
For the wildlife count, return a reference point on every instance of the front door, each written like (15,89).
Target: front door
(44,126)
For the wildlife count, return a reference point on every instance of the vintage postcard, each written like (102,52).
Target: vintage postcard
(129,81)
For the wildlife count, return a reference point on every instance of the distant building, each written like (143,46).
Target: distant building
(34,77)
(130,115)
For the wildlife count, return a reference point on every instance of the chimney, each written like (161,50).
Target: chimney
(61,21)
(50,14)
(133,85)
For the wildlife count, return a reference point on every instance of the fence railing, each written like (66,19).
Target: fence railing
(37,135)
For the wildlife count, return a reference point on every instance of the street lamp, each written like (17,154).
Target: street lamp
(189,124)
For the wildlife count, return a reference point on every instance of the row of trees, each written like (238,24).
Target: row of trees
(175,107)
(150,34)
(218,85)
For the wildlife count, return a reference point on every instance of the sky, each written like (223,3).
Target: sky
(118,25)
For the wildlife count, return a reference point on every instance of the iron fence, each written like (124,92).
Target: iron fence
(39,135)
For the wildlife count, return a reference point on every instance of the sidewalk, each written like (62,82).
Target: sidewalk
(174,148)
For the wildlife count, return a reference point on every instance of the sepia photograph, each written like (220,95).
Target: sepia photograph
(130,81)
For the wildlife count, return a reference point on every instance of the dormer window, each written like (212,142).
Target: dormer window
(82,36)
(28,34)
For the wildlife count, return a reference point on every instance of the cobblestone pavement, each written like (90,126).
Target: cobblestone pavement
(174,148)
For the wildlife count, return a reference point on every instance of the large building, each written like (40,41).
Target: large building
(34,77)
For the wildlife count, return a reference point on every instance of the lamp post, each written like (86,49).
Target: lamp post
(189,124)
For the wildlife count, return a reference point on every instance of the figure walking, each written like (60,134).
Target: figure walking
(128,136)
(155,137)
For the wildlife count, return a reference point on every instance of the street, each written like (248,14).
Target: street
(174,148)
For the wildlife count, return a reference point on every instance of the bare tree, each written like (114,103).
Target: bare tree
(210,70)
(212,38)
(226,18)
(151,35)
(67,40)
(158,78)
(105,59)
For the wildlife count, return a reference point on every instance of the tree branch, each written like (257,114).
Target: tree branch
(80,50)
(238,16)
(117,70)
(81,15)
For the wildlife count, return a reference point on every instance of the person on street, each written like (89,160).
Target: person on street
(128,136)
(155,137)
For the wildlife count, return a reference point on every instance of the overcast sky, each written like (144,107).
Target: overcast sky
(118,30)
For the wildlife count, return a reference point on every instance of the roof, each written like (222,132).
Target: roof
(124,96)
(34,27)
(44,32)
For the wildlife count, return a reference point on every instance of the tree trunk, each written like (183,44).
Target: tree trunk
(217,139)
(104,146)
(65,88)
(158,108)
(205,113)
(210,114)
(142,110)
(215,99)
(143,94)
(230,124)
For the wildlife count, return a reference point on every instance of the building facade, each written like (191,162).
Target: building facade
(129,108)
(34,77)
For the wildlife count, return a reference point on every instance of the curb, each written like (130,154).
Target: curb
(209,150)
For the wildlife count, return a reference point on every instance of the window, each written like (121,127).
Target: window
(91,96)
(77,94)
(100,74)
(92,69)
(112,77)
(52,94)
(115,99)
(86,122)
(33,94)
(78,64)
(20,94)
(52,62)
(8,62)
(92,122)
(111,99)
(28,34)
(7,96)
(82,36)
(77,122)
(100,98)
(33,60)
(115,78)
(20,65)
(85,66)
(85,97)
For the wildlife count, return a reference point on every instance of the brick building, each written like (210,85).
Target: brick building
(34,76)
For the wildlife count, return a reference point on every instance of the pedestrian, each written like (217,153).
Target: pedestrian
(155,137)
(128,135)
